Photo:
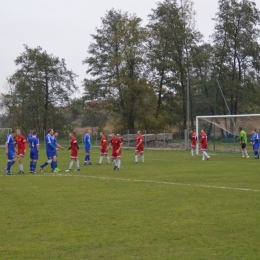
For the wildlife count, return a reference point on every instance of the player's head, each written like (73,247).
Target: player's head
(101,134)
(138,132)
(114,135)
(254,131)
(12,133)
(18,132)
(55,133)
(192,130)
(240,128)
(50,131)
(72,134)
(87,131)
(202,131)
(34,133)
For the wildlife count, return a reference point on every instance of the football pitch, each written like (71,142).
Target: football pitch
(173,206)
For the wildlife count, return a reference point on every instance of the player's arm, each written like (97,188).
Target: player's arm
(120,147)
(76,143)
(25,145)
(6,147)
(60,146)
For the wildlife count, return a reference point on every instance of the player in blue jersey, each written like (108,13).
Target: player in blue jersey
(55,135)
(255,143)
(50,152)
(9,150)
(34,151)
(87,145)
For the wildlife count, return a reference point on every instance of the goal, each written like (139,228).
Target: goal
(223,130)
(4,132)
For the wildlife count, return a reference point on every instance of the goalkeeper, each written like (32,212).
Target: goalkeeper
(243,141)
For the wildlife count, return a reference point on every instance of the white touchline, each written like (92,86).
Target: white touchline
(144,181)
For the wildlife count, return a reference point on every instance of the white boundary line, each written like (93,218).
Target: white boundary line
(143,181)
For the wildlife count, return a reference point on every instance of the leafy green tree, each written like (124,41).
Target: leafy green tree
(235,38)
(171,39)
(116,62)
(41,87)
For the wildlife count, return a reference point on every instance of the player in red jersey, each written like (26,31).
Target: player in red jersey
(74,152)
(21,143)
(103,149)
(193,142)
(139,147)
(116,144)
(204,144)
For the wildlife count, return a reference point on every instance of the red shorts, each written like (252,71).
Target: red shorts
(140,149)
(193,144)
(103,151)
(21,153)
(74,155)
(116,155)
(203,147)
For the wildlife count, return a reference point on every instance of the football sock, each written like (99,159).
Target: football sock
(118,163)
(136,158)
(86,158)
(192,152)
(100,159)
(142,158)
(246,153)
(31,166)
(34,166)
(108,159)
(114,161)
(77,164)
(43,165)
(205,154)
(71,164)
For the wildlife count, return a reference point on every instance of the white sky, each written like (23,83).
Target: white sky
(63,27)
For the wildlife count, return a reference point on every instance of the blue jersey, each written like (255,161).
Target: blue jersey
(87,141)
(54,141)
(33,143)
(10,142)
(255,138)
(49,144)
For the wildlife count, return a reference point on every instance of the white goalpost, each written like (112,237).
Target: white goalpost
(223,130)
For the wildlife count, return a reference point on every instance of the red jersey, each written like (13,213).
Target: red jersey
(103,142)
(20,141)
(115,142)
(74,147)
(203,141)
(140,147)
(193,139)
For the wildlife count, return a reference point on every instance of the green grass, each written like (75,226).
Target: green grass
(172,207)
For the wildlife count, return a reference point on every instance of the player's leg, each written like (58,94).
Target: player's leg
(113,158)
(192,151)
(54,163)
(142,156)
(20,161)
(118,162)
(77,164)
(136,156)
(72,159)
(10,162)
(49,161)
(101,157)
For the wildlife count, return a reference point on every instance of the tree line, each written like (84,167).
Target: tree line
(143,76)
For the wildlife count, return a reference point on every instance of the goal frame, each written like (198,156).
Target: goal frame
(218,116)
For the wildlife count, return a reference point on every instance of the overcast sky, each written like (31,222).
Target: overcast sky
(63,27)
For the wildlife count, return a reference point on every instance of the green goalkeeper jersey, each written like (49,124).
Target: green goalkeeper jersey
(243,137)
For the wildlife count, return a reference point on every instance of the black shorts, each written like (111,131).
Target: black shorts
(243,145)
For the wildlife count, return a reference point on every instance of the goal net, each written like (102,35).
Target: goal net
(223,130)
(4,132)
